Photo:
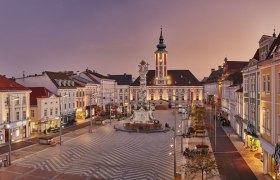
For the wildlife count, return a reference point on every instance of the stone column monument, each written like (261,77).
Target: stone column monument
(143,69)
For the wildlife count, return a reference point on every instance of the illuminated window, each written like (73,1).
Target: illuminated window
(17,132)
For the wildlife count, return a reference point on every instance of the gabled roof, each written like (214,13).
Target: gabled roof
(80,81)
(214,76)
(177,78)
(264,37)
(10,85)
(236,78)
(87,74)
(39,92)
(236,64)
(274,46)
(61,80)
(257,56)
(124,79)
(97,74)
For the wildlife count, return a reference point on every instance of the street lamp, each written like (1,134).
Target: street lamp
(215,123)
(8,126)
(90,111)
(111,105)
(60,127)
(174,141)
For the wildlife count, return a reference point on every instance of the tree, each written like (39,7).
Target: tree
(202,163)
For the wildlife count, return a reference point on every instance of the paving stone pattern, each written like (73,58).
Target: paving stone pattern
(108,154)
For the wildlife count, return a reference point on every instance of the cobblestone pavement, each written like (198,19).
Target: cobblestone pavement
(104,154)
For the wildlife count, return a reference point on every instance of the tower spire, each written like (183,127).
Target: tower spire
(161,46)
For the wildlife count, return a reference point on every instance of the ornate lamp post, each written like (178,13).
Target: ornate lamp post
(60,127)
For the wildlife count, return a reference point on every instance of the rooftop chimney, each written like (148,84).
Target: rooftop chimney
(220,67)
(212,70)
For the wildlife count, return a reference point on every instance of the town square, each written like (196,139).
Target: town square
(139,90)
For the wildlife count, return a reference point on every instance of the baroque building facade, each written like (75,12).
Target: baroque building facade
(176,87)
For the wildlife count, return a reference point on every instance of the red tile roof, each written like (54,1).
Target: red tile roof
(10,85)
(39,92)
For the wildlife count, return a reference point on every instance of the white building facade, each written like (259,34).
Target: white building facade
(15,106)
(58,83)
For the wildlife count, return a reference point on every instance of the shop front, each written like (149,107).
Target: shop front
(252,140)
(81,113)
(47,125)
(269,165)
(18,131)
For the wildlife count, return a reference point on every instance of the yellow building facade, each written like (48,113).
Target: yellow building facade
(270,107)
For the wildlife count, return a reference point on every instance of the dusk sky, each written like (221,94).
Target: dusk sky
(113,36)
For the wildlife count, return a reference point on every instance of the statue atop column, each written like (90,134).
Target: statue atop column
(143,69)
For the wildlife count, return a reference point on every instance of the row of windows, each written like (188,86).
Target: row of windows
(69,105)
(17,100)
(51,102)
(125,90)
(121,97)
(169,98)
(68,94)
(50,112)
(18,115)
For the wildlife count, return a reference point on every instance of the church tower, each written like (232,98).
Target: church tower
(161,62)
